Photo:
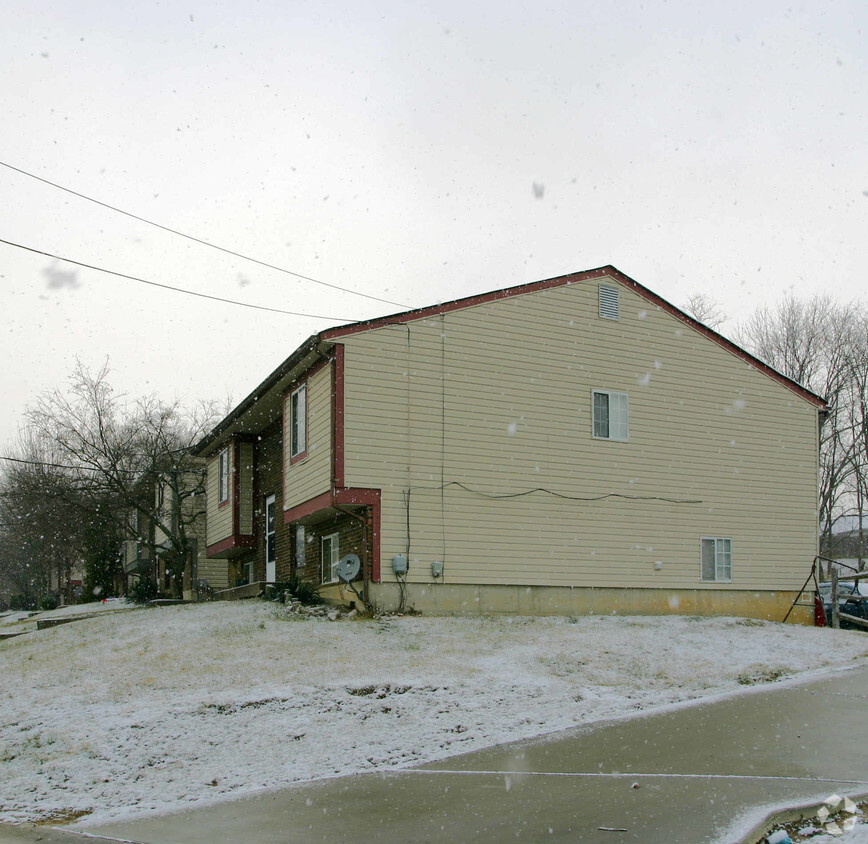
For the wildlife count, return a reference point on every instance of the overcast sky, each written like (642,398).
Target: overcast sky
(410,151)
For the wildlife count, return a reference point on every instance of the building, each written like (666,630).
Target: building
(172,515)
(572,445)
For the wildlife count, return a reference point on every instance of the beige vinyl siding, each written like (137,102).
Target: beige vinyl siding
(245,477)
(219,520)
(131,555)
(311,476)
(215,571)
(498,397)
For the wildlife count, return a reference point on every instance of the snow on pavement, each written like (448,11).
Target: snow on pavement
(152,711)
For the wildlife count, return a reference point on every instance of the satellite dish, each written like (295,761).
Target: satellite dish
(348,567)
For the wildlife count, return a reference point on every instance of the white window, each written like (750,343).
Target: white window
(609,305)
(716,559)
(298,422)
(300,547)
(610,414)
(223,476)
(270,540)
(330,558)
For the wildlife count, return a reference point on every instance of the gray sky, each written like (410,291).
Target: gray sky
(412,151)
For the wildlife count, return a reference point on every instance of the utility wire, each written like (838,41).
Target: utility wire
(561,494)
(84,468)
(200,240)
(61,465)
(169,287)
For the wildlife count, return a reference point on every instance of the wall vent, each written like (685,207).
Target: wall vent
(609,302)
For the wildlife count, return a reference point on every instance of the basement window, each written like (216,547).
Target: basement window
(716,555)
(300,547)
(609,304)
(330,558)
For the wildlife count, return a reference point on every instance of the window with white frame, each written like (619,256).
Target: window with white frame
(330,558)
(223,475)
(300,547)
(298,421)
(610,415)
(716,559)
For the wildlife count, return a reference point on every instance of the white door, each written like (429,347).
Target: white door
(270,549)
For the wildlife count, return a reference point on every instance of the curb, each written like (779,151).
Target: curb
(799,812)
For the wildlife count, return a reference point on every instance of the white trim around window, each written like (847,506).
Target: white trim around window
(223,475)
(716,559)
(610,415)
(298,421)
(330,558)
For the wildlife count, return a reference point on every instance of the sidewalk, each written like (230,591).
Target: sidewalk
(705,772)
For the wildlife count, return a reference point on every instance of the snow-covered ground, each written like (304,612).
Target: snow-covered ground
(25,621)
(148,711)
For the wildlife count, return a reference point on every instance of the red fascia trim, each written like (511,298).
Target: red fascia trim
(370,498)
(563,281)
(307,508)
(468,302)
(235,541)
(353,496)
(338,452)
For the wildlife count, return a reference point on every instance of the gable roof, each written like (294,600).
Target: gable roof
(286,372)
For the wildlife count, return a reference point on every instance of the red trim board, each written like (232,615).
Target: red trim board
(346,497)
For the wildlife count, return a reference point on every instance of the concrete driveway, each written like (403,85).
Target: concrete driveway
(702,772)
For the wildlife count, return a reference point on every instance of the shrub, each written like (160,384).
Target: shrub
(143,590)
(22,602)
(306,593)
(49,602)
(275,591)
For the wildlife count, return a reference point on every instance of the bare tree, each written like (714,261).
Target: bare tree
(815,342)
(41,524)
(857,409)
(135,454)
(704,309)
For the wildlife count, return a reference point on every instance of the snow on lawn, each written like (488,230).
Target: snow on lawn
(25,621)
(149,711)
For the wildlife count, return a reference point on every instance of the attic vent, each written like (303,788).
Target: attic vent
(609,302)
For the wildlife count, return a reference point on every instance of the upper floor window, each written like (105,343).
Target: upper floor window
(298,421)
(611,416)
(223,475)
(716,557)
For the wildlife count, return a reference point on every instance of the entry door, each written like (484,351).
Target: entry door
(270,557)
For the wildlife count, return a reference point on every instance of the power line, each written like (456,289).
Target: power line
(169,286)
(521,494)
(84,468)
(200,240)
(48,465)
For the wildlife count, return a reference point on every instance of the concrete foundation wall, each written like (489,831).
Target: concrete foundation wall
(458,599)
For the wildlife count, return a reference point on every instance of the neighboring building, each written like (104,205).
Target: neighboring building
(149,551)
(572,445)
